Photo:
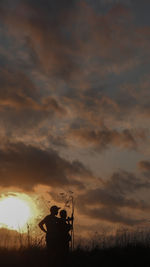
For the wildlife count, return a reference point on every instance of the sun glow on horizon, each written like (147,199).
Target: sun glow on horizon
(16,212)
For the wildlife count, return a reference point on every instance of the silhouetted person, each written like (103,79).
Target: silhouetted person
(64,236)
(49,225)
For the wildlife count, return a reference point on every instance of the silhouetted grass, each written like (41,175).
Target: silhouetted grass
(125,249)
(125,256)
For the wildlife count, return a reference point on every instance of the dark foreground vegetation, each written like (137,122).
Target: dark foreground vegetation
(131,255)
(124,249)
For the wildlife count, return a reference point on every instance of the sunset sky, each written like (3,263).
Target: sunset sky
(75,107)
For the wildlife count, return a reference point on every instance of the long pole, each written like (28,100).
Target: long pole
(72,230)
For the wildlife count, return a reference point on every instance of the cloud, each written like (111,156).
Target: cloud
(124,182)
(44,33)
(71,42)
(23,107)
(104,138)
(73,47)
(108,201)
(67,37)
(144,165)
(18,92)
(113,216)
(26,166)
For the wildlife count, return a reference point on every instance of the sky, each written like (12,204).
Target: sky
(75,107)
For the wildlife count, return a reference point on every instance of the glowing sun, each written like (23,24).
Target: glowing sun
(16,211)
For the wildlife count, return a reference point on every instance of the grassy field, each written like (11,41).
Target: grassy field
(123,249)
(124,256)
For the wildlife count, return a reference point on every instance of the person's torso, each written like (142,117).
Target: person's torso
(51,223)
(64,229)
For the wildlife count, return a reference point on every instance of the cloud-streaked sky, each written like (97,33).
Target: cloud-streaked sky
(75,105)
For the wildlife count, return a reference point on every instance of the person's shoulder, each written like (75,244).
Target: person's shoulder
(60,222)
(57,219)
(47,217)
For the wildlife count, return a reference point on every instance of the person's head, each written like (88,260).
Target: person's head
(63,214)
(54,210)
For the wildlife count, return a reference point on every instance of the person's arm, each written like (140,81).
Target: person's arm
(70,219)
(69,225)
(41,225)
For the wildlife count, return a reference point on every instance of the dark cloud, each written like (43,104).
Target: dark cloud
(63,39)
(27,166)
(51,104)
(114,216)
(124,182)
(58,141)
(108,201)
(70,41)
(63,35)
(46,27)
(15,84)
(18,92)
(144,165)
(102,139)
(22,105)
